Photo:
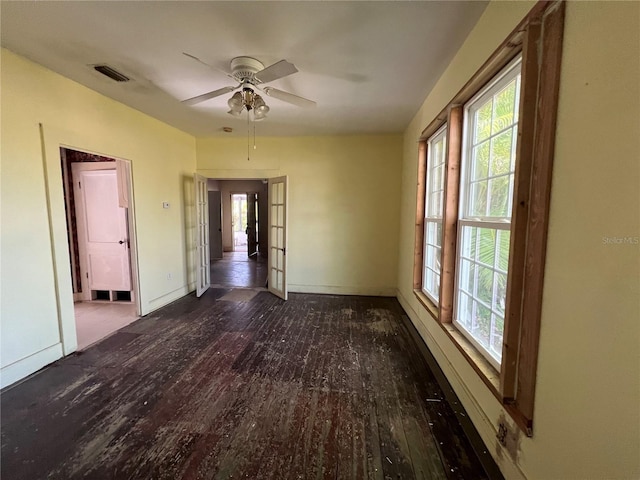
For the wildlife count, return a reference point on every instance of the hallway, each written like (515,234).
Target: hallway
(236,269)
(320,386)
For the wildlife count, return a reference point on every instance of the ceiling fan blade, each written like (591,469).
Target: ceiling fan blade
(289,97)
(193,57)
(277,70)
(208,96)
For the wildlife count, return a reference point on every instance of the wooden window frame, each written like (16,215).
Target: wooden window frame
(538,38)
(466,218)
(439,134)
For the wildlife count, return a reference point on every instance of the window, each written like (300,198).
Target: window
(488,166)
(434,206)
(484,182)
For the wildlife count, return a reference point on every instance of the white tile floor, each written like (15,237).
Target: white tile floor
(97,320)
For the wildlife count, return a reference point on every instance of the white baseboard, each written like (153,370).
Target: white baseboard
(165,299)
(26,366)
(340,290)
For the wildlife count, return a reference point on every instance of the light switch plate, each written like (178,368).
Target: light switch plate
(165,204)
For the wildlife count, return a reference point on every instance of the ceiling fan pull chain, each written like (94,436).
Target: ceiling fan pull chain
(248,113)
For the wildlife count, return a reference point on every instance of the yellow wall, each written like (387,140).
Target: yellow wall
(587,406)
(163,161)
(343,205)
(352,203)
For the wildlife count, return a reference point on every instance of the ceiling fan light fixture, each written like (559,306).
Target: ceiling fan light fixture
(260,109)
(236,102)
(259,115)
(248,97)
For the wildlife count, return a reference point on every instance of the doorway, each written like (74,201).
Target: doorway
(242,261)
(101,229)
(239,221)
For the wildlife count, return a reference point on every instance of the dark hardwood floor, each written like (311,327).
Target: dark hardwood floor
(318,387)
(235,269)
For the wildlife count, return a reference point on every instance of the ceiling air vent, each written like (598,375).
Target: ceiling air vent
(107,71)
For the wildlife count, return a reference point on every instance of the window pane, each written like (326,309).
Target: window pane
(432,253)
(501,153)
(469,242)
(497,329)
(465,310)
(504,107)
(478,200)
(483,122)
(500,291)
(436,179)
(435,205)
(468,276)
(480,165)
(503,249)
(428,280)
(486,246)
(499,196)
(481,324)
(482,285)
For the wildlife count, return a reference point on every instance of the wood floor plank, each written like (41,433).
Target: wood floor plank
(317,387)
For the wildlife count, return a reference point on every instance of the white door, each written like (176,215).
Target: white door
(203,274)
(278,236)
(103,241)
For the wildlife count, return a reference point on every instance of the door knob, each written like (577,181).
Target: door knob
(121,242)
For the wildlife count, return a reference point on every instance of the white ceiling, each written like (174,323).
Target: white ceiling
(368,65)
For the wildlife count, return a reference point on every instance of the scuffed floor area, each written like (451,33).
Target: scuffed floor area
(316,387)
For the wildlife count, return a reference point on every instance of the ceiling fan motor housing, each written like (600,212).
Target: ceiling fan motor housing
(244,69)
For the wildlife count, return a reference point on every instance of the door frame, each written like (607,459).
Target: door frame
(52,138)
(124,171)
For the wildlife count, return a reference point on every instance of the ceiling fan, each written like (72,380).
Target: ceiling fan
(251,74)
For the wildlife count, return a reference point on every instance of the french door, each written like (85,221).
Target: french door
(278,236)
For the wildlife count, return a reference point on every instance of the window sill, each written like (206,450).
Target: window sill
(480,364)
(487,372)
(431,307)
